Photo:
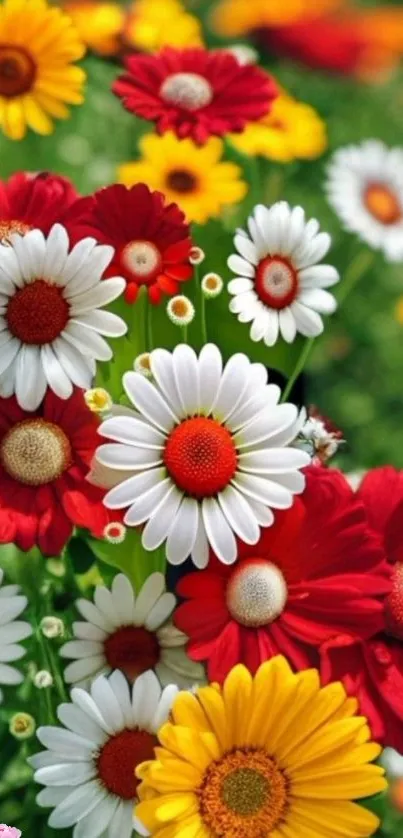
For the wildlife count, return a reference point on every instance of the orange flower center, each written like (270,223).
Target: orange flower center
(132,649)
(187,90)
(7,228)
(35,452)
(200,456)
(182,181)
(37,313)
(383,204)
(276,282)
(17,71)
(256,593)
(394,603)
(119,757)
(142,259)
(243,793)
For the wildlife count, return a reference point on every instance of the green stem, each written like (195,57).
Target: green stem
(273,188)
(184,330)
(203,320)
(138,335)
(299,366)
(149,326)
(357,268)
(48,666)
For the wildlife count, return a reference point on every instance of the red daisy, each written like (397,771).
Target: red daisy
(45,458)
(194,92)
(317,573)
(373,670)
(28,201)
(151,239)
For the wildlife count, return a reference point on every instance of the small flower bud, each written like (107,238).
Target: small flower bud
(142,364)
(196,255)
(244,54)
(43,679)
(52,627)
(212,285)
(22,726)
(115,532)
(180,310)
(98,400)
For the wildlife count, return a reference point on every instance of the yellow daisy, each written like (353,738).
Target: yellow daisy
(237,17)
(100,25)
(37,80)
(153,24)
(192,176)
(291,131)
(274,756)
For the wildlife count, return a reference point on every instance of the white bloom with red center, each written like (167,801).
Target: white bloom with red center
(204,457)
(88,767)
(12,604)
(279,286)
(130,633)
(365,188)
(51,317)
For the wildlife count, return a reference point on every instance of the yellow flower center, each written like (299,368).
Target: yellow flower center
(17,71)
(35,452)
(383,204)
(187,90)
(7,228)
(142,259)
(244,793)
(256,593)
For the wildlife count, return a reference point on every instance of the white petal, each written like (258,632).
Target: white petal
(240,266)
(132,430)
(157,528)
(75,261)
(91,269)
(72,774)
(93,615)
(30,383)
(160,612)
(319,300)
(260,324)
(81,649)
(145,699)
(77,804)
(271,335)
(200,549)
(81,669)
(273,460)
(10,271)
(12,608)
(288,326)
(263,490)
(147,505)
(182,534)
(309,323)
(162,368)
(55,375)
(71,747)
(151,591)
(18,630)
(132,489)
(87,704)
(53,795)
(87,631)
(266,424)
(97,821)
(210,371)
(120,687)
(186,374)
(127,457)
(106,701)
(100,295)
(8,353)
(148,400)
(104,601)
(74,364)
(318,276)
(88,342)
(123,595)
(313,252)
(219,533)
(239,514)
(246,249)
(232,386)
(57,247)
(239,285)
(104,322)
(264,516)
(79,722)
(10,675)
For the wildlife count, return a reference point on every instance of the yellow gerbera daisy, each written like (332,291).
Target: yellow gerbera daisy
(237,17)
(37,45)
(100,25)
(291,131)
(192,176)
(153,24)
(274,756)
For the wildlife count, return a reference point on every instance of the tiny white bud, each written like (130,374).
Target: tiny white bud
(196,255)
(115,532)
(22,726)
(212,285)
(244,54)
(52,627)
(43,679)
(142,364)
(180,310)
(98,400)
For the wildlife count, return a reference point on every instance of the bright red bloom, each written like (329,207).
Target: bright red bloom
(195,92)
(151,239)
(317,573)
(374,670)
(45,458)
(39,200)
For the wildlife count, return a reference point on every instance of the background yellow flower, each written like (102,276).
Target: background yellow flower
(237,17)
(152,24)
(100,25)
(37,79)
(192,176)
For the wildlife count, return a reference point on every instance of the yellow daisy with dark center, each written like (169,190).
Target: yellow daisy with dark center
(274,756)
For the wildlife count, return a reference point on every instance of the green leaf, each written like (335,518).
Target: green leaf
(130,557)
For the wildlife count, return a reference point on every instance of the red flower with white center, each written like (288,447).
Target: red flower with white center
(374,670)
(318,572)
(151,239)
(45,457)
(195,92)
(29,201)
(129,631)
(88,769)
(280,286)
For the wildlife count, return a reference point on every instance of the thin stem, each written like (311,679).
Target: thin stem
(184,330)
(299,366)
(138,334)
(203,320)
(356,269)
(149,325)
(273,188)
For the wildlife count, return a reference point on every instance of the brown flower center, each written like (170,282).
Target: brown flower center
(17,71)
(37,313)
(120,756)
(180,180)
(132,649)
(383,204)
(35,452)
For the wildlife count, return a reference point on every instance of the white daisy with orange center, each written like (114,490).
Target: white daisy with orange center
(365,188)
(280,285)
(205,455)
(51,318)
(130,633)
(12,631)
(88,767)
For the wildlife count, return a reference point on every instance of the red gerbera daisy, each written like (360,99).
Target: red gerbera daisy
(45,458)
(28,201)
(374,670)
(151,239)
(317,573)
(194,92)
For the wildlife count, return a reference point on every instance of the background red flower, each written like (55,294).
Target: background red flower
(35,200)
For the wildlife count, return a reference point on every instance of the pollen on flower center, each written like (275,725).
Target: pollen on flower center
(200,456)
(132,649)
(35,452)
(7,228)
(243,793)
(37,313)
(142,259)
(383,204)
(256,593)
(187,90)
(119,757)
(180,180)
(17,71)
(276,282)
(394,603)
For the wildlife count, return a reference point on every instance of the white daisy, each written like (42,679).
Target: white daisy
(392,762)
(131,633)
(205,456)
(365,188)
(51,320)
(279,285)
(12,604)
(88,767)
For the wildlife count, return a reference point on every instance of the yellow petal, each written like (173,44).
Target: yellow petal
(36,118)
(188,711)
(237,694)
(341,784)
(14,124)
(347,819)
